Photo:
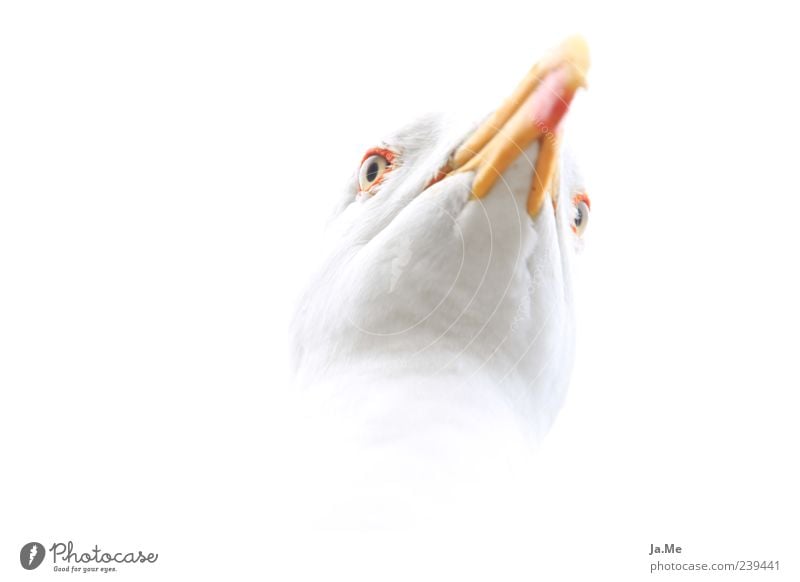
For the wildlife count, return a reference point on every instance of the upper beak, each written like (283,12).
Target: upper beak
(533,112)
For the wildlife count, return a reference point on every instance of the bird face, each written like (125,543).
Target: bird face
(449,251)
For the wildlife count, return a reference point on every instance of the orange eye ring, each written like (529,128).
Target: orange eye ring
(582,197)
(388,155)
(375,164)
(582,206)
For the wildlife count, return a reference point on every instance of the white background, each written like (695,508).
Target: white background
(165,170)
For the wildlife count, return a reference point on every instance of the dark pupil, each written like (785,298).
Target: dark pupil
(579,217)
(372,171)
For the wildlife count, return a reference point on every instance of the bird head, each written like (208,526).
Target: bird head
(448,254)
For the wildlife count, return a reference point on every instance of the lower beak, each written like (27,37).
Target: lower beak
(533,112)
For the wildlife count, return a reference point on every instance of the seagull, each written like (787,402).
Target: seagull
(437,328)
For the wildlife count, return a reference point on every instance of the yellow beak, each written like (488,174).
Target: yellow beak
(532,112)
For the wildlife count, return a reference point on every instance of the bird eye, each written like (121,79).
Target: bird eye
(372,170)
(582,209)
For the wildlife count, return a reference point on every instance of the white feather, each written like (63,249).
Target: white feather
(435,339)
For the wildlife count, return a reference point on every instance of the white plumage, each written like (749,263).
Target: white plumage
(435,339)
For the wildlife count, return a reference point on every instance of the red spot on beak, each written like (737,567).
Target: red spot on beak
(550,101)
